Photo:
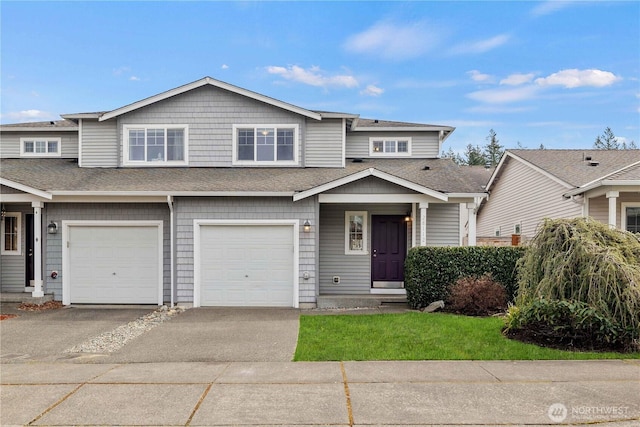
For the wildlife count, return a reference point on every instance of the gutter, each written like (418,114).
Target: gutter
(171,256)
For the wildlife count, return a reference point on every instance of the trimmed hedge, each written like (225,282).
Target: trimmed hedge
(429,271)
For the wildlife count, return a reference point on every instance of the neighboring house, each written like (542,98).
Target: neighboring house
(530,185)
(213,195)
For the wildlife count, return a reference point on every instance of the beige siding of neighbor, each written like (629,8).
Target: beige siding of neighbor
(599,207)
(526,196)
(424,145)
(324,143)
(210,113)
(99,144)
(10,143)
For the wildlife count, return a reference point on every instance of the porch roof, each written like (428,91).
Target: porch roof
(64,177)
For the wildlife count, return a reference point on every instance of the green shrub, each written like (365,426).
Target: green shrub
(429,271)
(477,296)
(585,270)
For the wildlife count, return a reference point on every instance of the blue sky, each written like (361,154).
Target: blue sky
(554,73)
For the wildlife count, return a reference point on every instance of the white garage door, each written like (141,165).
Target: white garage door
(114,264)
(246,265)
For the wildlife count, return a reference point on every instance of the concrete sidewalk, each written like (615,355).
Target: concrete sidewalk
(324,393)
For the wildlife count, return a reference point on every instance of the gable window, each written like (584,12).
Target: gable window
(40,147)
(355,232)
(265,144)
(11,241)
(631,217)
(155,145)
(390,147)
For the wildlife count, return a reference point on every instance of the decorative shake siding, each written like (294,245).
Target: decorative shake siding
(99,144)
(599,207)
(188,209)
(523,195)
(210,113)
(353,270)
(10,143)
(13,267)
(424,145)
(324,143)
(59,212)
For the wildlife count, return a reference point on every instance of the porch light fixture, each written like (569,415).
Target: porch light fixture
(407,217)
(306,226)
(52,228)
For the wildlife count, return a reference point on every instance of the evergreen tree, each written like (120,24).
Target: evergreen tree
(493,150)
(607,141)
(474,156)
(450,154)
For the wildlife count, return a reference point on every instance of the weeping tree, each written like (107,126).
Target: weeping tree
(579,284)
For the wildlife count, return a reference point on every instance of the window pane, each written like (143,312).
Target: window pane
(378,146)
(265,145)
(10,233)
(41,146)
(633,220)
(175,144)
(355,233)
(389,146)
(136,144)
(28,147)
(245,144)
(285,144)
(52,146)
(155,145)
(403,146)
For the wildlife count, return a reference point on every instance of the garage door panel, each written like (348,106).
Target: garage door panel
(246,265)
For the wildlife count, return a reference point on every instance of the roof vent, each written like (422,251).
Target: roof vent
(356,161)
(594,163)
(426,168)
(587,158)
(375,121)
(52,123)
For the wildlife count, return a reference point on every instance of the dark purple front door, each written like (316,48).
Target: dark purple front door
(388,250)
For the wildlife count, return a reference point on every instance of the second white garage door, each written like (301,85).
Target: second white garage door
(246,265)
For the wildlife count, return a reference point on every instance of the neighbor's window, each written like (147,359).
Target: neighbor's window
(11,233)
(40,147)
(496,232)
(355,232)
(517,228)
(265,144)
(155,145)
(389,146)
(632,215)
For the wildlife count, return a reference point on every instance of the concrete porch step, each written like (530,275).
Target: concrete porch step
(25,297)
(360,301)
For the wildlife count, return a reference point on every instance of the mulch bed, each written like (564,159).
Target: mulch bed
(49,305)
(7,316)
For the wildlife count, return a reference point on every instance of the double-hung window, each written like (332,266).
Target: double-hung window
(11,232)
(265,144)
(631,217)
(390,147)
(40,147)
(155,145)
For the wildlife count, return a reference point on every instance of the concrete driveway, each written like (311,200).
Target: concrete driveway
(196,335)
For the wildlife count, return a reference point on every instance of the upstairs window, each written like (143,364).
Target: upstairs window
(390,147)
(155,145)
(40,147)
(265,144)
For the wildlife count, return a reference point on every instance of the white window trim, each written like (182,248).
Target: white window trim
(496,232)
(296,145)
(23,153)
(623,212)
(365,233)
(19,250)
(163,163)
(384,140)
(516,226)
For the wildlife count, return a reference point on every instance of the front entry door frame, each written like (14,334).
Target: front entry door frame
(388,251)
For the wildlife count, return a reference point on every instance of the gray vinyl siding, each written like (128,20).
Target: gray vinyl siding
(424,145)
(523,195)
(324,143)
(371,185)
(10,143)
(210,113)
(443,224)
(354,270)
(599,207)
(59,212)
(188,209)
(13,267)
(99,144)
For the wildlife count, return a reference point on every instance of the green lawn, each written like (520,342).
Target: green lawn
(419,336)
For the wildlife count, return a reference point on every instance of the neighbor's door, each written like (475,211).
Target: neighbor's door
(388,251)
(28,244)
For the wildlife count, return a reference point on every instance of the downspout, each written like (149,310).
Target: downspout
(170,203)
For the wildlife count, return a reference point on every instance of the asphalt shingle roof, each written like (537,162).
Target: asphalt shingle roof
(54,124)
(64,175)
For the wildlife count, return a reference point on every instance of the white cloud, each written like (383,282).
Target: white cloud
(517,79)
(549,7)
(502,95)
(28,115)
(134,78)
(313,76)
(479,77)
(395,41)
(372,90)
(481,46)
(224,67)
(573,78)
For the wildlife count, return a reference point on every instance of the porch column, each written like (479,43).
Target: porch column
(613,198)
(471,207)
(423,223)
(37,249)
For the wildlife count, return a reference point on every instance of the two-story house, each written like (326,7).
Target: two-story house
(213,195)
